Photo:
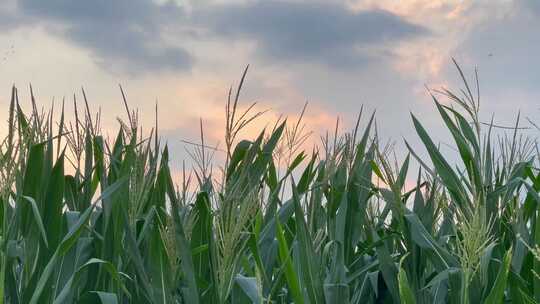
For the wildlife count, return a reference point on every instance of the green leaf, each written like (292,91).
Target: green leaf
(250,288)
(73,281)
(68,241)
(308,258)
(99,297)
(37,218)
(290,274)
(449,177)
(405,292)
(496,295)
(181,242)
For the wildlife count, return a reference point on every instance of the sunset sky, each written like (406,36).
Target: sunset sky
(337,55)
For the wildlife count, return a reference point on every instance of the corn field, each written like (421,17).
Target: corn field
(90,220)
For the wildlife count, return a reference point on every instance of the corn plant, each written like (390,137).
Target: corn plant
(87,219)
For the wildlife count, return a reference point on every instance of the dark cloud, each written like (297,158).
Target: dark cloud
(128,35)
(123,34)
(310,31)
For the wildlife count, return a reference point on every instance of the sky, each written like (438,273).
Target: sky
(337,55)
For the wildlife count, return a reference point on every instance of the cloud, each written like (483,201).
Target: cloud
(134,36)
(313,32)
(9,19)
(504,45)
(124,35)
